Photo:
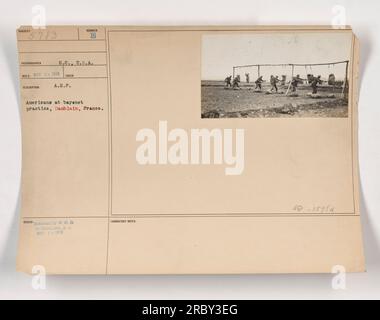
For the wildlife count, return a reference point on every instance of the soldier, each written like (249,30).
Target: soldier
(228,81)
(273,81)
(236,81)
(258,83)
(295,81)
(314,84)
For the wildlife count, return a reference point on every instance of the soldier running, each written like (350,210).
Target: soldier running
(273,81)
(258,83)
(295,81)
(228,81)
(236,81)
(314,84)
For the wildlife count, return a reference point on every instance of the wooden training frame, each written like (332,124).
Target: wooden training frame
(293,65)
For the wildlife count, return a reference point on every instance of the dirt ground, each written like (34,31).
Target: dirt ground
(219,102)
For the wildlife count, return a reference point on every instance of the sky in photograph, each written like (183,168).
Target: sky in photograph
(221,52)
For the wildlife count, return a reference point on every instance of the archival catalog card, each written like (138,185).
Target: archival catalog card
(189,150)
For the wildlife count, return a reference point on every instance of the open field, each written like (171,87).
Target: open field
(219,102)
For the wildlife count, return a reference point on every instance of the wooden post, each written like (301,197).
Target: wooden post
(258,71)
(290,82)
(233,73)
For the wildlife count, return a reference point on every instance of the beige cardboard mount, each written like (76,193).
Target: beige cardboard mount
(89,207)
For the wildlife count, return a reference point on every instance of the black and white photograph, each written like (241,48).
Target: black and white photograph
(267,76)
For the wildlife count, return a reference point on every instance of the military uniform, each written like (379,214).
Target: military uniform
(235,83)
(258,82)
(273,82)
(228,81)
(314,84)
(295,81)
